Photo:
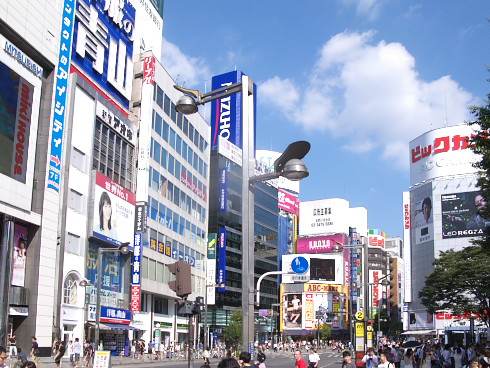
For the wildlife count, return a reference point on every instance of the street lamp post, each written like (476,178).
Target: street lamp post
(382,281)
(123,249)
(289,165)
(206,334)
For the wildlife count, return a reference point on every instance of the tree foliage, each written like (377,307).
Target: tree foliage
(325,331)
(459,282)
(480,144)
(233,332)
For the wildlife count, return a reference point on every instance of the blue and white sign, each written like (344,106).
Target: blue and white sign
(300,265)
(135,277)
(223,190)
(222,258)
(103,42)
(115,315)
(226,113)
(61,90)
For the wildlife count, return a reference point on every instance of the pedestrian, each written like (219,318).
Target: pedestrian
(260,360)
(298,356)
(205,356)
(384,363)
(244,359)
(3,357)
(313,359)
(229,363)
(348,363)
(77,349)
(12,343)
(59,354)
(35,352)
(21,358)
(56,345)
(71,353)
(407,361)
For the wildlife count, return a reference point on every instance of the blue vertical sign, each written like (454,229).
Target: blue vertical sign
(135,276)
(222,258)
(223,190)
(61,90)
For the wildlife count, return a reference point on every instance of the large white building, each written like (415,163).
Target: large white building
(440,212)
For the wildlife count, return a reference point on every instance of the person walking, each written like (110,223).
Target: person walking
(348,363)
(384,363)
(298,356)
(35,352)
(71,353)
(313,359)
(77,349)
(370,359)
(3,357)
(12,343)
(59,354)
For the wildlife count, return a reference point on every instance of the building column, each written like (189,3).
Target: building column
(6,255)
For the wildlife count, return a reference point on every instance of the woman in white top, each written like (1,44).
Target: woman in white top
(407,361)
(427,358)
(458,358)
(314,359)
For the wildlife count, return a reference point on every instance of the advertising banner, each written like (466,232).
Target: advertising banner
(460,215)
(407,247)
(222,258)
(226,114)
(19,260)
(61,88)
(288,202)
(115,315)
(292,311)
(140,220)
(223,190)
(325,216)
(135,276)
(441,152)
(230,151)
(321,244)
(327,268)
(422,215)
(267,158)
(103,40)
(113,216)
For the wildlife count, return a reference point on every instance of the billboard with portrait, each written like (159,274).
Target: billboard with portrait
(460,215)
(19,259)
(292,311)
(114,209)
(422,214)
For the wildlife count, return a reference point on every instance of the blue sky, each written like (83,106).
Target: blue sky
(359,79)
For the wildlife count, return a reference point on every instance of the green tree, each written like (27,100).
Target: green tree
(480,144)
(325,331)
(459,282)
(233,332)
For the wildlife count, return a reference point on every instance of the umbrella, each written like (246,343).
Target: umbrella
(411,344)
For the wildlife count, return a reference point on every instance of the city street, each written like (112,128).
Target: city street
(328,358)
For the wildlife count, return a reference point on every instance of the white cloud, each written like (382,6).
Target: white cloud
(190,70)
(370,95)
(366,8)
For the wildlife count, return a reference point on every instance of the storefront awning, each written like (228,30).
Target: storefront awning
(115,326)
(419,332)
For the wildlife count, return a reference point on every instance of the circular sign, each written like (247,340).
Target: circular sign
(300,265)
(369,328)
(360,315)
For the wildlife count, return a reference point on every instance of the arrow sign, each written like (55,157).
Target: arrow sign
(300,265)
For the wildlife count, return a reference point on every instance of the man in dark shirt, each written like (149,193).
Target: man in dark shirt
(348,363)
(13,345)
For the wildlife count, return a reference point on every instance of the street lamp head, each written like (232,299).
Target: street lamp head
(186,105)
(385,283)
(84,283)
(124,248)
(295,170)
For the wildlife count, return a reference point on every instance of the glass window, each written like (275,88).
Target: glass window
(201,166)
(196,138)
(165,131)
(170,191)
(169,218)
(166,105)
(164,159)
(171,164)
(159,97)
(176,223)
(156,151)
(152,269)
(161,214)
(201,144)
(144,267)
(180,117)
(173,112)
(205,170)
(178,144)
(191,132)
(176,195)
(172,138)
(186,126)
(190,155)
(195,164)
(155,182)
(184,150)
(154,209)
(158,123)
(177,169)
(181,225)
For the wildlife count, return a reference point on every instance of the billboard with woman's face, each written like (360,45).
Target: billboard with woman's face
(113,219)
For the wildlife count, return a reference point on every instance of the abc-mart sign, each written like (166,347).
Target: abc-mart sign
(441,152)
(103,45)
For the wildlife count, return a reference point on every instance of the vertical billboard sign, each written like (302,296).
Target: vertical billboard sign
(60,96)
(422,214)
(19,260)
(113,216)
(287,202)
(135,276)
(226,114)
(146,114)
(461,215)
(211,269)
(222,258)
(103,40)
(407,247)
(223,190)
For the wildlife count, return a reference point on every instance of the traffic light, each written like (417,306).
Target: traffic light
(182,285)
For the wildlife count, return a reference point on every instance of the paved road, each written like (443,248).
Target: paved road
(328,359)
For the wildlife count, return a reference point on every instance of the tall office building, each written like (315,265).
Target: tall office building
(441,213)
